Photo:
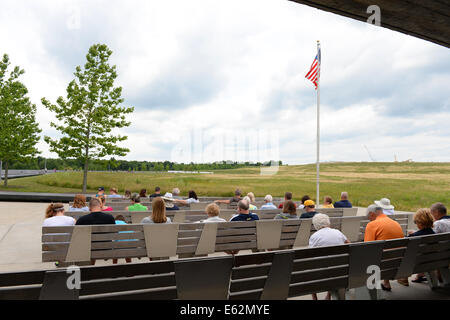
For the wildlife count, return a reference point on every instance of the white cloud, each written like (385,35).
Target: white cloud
(237,66)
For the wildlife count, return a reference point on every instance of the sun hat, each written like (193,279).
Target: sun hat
(168,200)
(308,203)
(384,203)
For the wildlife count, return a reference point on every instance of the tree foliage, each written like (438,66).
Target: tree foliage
(90,112)
(19,132)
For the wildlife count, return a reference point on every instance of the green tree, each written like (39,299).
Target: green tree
(90,113)
(19,132)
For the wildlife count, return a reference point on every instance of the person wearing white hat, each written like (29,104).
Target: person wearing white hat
(385,204)
(168,202)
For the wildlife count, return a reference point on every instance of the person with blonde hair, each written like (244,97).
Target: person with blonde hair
(79,203)
(113,193)
(54,216)
(213,211)
(158,212)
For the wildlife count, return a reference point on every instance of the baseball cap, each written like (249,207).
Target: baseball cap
(308,203)
(101,189)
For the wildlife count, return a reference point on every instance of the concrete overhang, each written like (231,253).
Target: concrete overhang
(424,19)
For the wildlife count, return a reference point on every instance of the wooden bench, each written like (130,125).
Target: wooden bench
(273,275)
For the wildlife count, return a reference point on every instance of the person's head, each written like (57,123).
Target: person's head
(423,218)
(135,198)
(212,210)
(102,200)
(192,195)
(373,211)
(127,194)
(268,198)
(247,198)
(143,193)
(120,218)
(320,221)
(158,210)
(289,207)
(176,192)
(95,205)
(251,195)
(113,191)
(157,190)
(243,206)
(309,205)
(438,210)
(101,190)
(327,200)
(304,198)
(344,195)
(79,201)
(237,193)
(288,196)
(53,209)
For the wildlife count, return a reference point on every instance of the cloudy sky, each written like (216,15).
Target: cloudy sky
(224,80)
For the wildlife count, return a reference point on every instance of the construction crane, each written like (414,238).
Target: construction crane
(370,156)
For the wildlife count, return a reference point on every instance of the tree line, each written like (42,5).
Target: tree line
(40,163)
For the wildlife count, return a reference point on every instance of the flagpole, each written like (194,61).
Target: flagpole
(318,127)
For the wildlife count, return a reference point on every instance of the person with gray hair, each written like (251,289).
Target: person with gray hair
(243,212)
(176,193)
(268,203)
(441,219)
(344,203)
(325,236)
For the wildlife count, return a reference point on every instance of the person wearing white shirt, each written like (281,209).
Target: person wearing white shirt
(55,216)
(441,219)
(268,203)
(212,210)
(192,198)
(325,236)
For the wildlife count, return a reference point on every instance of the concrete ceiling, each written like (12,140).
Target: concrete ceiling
(424,19)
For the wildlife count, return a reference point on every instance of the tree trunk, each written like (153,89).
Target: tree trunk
(86,164)
(6,174)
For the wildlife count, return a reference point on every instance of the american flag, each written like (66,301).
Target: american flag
(314,72)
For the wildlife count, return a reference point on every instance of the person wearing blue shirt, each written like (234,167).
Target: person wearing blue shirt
(244,213)
(344,203)
(268,203)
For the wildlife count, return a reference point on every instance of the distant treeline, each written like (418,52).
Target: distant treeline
(123,165)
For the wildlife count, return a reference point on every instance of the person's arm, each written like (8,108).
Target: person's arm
(222,201)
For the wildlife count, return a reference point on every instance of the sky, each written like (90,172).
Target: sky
(225,80)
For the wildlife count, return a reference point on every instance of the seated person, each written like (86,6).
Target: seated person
(169,202)
(54,216)
(100,192)
(176,194)
(113,193)
(268,205)
(143,193)
(243,212)
(127,194)
(192,198)
(250,205)
(104,206)
(385,204)
(328,202)
(136,204)
(441,219)
(79,203)
(235,199)
(157,193)
(325,236)
(289,211)
(96,216)
(287,197)
(302,202)
(213,211)
(344,203)
(158,212)
(310,210)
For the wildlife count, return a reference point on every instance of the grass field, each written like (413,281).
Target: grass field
(408,185)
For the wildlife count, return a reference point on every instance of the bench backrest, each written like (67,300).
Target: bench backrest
(268,275)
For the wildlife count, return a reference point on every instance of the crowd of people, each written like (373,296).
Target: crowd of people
(380,227)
